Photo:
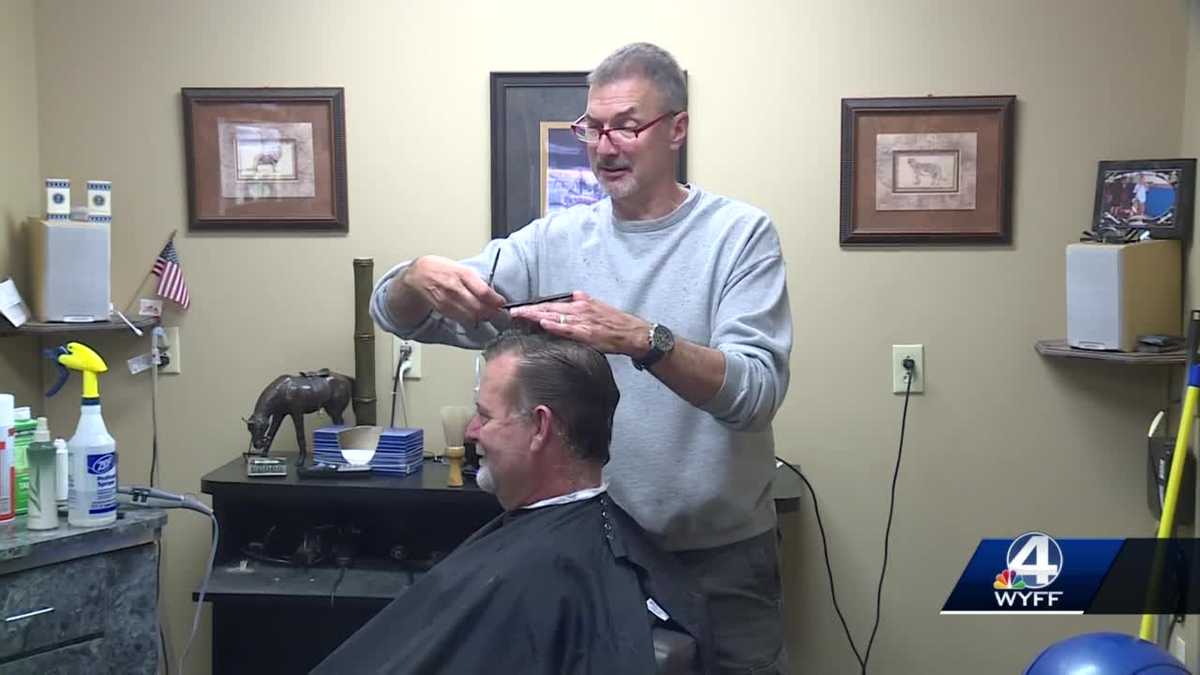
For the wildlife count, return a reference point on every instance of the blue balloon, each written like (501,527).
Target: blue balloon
(1105,654)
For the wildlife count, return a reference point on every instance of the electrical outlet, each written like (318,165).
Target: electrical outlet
(900,375)
(414,358)
(172,351)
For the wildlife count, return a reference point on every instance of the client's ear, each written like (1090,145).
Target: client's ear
(543,422)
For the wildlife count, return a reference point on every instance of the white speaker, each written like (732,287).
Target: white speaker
(1116,292)
(71,270)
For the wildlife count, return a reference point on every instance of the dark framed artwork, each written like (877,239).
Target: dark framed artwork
(538,166)
(929,170)
(270,159)
(1146,194)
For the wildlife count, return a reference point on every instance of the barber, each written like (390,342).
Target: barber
(686,291)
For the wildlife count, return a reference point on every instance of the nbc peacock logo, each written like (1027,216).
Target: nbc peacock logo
(1008,580)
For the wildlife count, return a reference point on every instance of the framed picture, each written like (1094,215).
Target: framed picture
(1146,194)
(932,170)
(566,177)
(265,159)
(538,166)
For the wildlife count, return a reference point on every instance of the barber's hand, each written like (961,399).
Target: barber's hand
(594,323)
(454,290)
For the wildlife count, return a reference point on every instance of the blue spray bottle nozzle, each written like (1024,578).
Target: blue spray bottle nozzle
(63,373)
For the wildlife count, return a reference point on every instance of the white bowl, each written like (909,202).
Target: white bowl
(358,444)
(358,456)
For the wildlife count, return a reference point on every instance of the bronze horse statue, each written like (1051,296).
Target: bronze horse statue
(295,395)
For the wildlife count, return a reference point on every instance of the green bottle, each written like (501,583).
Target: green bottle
(43,505)
(23,428)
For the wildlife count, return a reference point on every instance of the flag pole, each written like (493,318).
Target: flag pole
(137,291)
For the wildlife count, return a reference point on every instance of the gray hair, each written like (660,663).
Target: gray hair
(642,59)
(571,378)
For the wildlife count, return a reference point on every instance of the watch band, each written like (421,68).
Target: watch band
(652,357)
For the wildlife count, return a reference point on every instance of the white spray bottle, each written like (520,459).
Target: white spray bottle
(92,477)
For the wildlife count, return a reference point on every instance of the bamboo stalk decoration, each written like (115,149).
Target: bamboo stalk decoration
(364,343)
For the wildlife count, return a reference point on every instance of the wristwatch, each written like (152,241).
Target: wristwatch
(662,341)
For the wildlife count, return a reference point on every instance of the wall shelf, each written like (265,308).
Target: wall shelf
(1060,349)
(35,328)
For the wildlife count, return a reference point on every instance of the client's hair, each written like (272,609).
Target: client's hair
(572,379)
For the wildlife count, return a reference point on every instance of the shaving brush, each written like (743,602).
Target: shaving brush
(454,426)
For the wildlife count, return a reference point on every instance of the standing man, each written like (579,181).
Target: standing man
(686,292)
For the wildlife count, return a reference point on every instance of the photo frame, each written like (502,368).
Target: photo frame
(1157,195)
(927,170)
(535,167)
(265,159)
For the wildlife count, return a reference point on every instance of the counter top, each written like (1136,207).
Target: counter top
(22,548)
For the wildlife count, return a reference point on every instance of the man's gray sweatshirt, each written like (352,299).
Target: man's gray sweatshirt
(711,271)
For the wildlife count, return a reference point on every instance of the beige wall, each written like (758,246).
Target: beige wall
(20,192)
(1002,441)
(1190,147)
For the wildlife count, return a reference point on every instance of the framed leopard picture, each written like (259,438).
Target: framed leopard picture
(929,170)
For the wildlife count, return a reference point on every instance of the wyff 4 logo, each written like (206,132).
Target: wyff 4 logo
(1034,561)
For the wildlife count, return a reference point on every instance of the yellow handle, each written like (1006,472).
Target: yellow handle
(85,359)
(1166,525)
(91,385)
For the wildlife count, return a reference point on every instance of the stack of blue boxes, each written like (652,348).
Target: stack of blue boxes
(399,450)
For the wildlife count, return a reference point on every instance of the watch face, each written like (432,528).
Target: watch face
(662,339)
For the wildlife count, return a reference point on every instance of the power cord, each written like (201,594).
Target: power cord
(140,495)
(155,357)
(864,658)
(402,366)
(212,554)
(162,633)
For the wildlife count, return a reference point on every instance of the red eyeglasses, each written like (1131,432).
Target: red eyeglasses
(616,135)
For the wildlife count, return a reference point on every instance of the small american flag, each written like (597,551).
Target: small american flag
(170,276)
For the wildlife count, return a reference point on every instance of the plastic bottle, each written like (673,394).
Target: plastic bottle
(92,477)
(23,426)
(43,508)
(62,468)
(8,472)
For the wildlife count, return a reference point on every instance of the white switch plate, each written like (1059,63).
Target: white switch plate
(899,374)
(414,368)
(174,364)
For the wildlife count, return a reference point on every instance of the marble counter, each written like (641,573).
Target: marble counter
(22,548)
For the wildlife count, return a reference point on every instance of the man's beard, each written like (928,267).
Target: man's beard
(484,478)
(619,188)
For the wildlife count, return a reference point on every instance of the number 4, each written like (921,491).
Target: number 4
(1038,546)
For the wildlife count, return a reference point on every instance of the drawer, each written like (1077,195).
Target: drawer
(44,607)
(83,658)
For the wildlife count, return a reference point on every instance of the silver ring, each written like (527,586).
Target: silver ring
(562,319)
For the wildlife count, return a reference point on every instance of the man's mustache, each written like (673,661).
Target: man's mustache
(612,166)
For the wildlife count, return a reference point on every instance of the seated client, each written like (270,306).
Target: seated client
(563,581)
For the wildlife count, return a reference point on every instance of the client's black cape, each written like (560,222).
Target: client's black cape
(554,590)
